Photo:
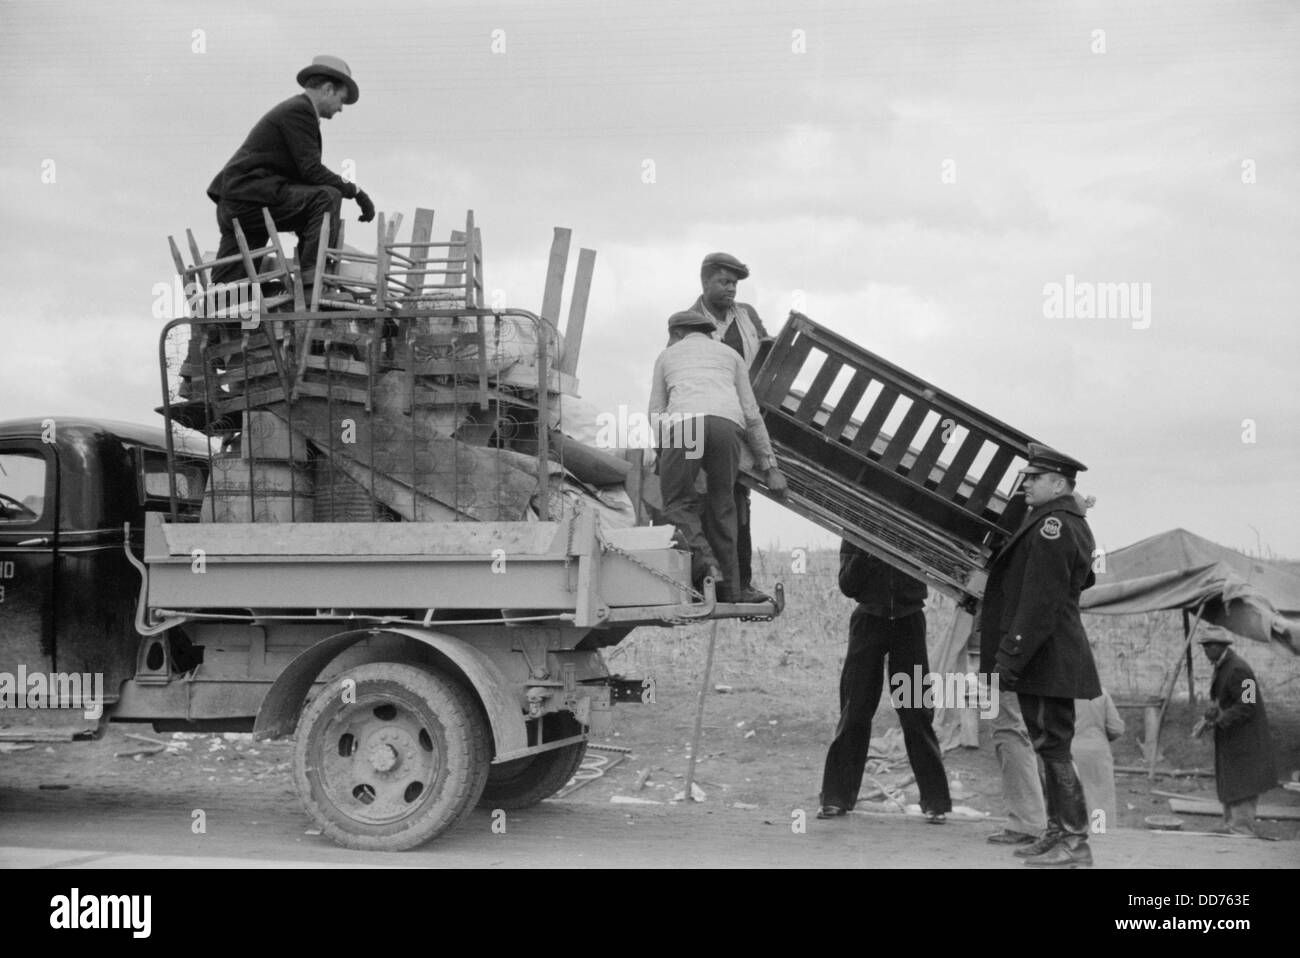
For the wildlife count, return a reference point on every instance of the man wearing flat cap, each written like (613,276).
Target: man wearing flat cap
(738,326)
(704,408)
(1243,748)
(279,167)
(1032,639)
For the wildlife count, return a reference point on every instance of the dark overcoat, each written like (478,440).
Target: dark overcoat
(283,147)
(1031,632)
(1243,751)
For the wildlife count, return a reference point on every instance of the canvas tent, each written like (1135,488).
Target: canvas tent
(1255,598)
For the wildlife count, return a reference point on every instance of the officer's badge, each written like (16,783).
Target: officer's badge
(1051,528)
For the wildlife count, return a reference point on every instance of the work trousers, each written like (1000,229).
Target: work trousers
(1050,722)
(872,639)
(708,528)
(744,544)
(299,210)
(1022,788)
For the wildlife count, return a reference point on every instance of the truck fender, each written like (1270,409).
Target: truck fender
(278,715)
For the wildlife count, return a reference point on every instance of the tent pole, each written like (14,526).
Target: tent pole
(1191,681)
(1169,694)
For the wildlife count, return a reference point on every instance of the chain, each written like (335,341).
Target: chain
(607,546)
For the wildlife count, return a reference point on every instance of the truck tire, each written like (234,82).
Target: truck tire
(397,760)
(526,781)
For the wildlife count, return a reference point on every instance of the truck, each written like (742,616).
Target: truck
(286,555)
(357,527)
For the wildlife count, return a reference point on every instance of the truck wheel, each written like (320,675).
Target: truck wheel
(388,756)
(526,781)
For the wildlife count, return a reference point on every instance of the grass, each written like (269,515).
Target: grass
(799,656)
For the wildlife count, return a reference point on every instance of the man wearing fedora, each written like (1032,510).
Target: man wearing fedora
(1032,639)
(279,167)
(1243,750)
(738,326)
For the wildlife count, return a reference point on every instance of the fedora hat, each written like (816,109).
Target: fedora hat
(334,68)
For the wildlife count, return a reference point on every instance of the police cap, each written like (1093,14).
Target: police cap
(1046,459)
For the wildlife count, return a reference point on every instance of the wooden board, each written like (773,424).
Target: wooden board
(1184,806)
(577,311)
(411,468)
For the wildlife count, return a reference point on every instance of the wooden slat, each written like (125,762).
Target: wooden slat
(421,232)
(870,428)
(822,382)
(555,269)
(843,412)
(454,274)
(791,362)
(988,483)
(577,311)
(930,453)
(197,256)
(956,471)
(902,440)
(390,235)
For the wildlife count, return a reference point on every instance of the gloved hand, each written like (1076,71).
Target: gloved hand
(367,206)
(776,481)
(1211,715)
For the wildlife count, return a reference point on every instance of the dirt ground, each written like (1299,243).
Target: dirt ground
(755,756)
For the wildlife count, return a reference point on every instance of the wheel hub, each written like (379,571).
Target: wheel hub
(378,761)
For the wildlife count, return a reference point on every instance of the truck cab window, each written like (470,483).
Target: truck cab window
(22,487)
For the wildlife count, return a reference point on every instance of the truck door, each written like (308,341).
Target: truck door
(28,549)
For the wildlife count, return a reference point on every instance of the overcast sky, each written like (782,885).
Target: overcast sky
(918,172)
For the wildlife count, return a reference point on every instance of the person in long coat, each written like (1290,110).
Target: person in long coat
(1243,750)
(1033,642)
(1097,723)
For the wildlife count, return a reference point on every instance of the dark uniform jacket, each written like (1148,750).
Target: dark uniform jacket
(1243,751)
(283,147)
(1030,628)
(880,589)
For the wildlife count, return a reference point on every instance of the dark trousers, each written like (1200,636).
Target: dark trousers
(299,211)
(709,529)
(1051,725)
(871,639)
(744,545)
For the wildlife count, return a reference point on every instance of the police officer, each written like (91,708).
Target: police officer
(1032,635)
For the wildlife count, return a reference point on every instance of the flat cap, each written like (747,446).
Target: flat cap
(690,319)
(1046,459)
(727,260)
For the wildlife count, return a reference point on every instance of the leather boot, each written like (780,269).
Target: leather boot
(1064,793)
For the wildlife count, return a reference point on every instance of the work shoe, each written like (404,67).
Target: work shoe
(1048,840)
(749,596)
(1009,837)
(830,811)
(1071,851)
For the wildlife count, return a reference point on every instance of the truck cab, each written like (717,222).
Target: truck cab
(69,488)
